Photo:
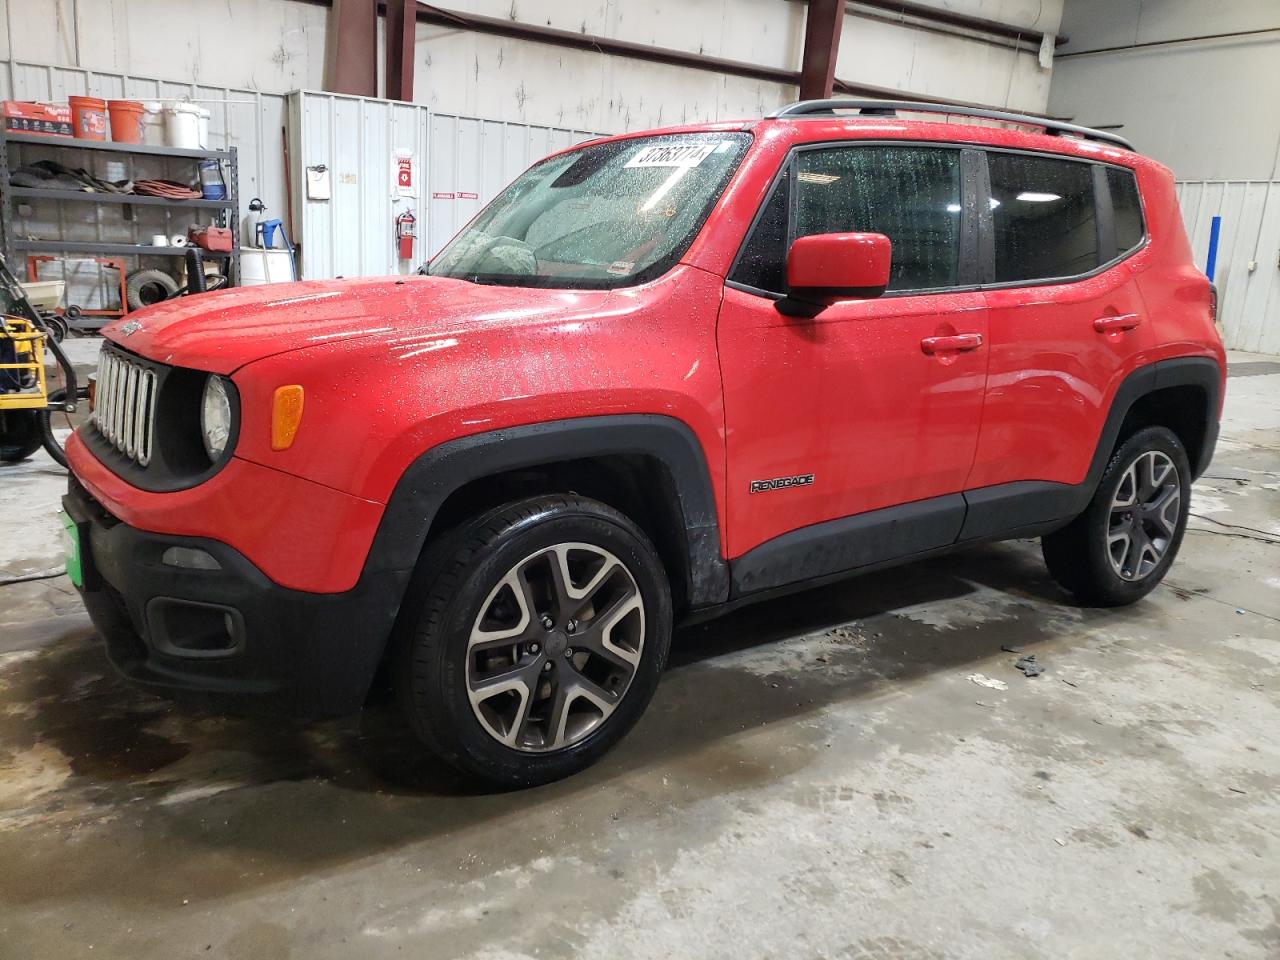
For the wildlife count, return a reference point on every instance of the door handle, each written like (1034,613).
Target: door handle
(959,342)
(1123,321)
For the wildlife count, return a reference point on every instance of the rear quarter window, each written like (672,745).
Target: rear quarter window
(1123,187)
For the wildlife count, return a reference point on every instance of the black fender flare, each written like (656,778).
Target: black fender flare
(446,468)
(1201,372)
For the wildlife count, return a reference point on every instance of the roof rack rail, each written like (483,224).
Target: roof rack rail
(881,108)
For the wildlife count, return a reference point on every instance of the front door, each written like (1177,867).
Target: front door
(870,404)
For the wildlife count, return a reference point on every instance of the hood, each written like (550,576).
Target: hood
(222,331)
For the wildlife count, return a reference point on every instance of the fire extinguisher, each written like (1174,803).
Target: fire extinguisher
(404,234)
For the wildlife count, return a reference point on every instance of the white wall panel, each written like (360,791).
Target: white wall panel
(1248,262)
(1209,108)
(461,163)
(270,45)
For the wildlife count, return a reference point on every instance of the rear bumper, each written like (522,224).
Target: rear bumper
(229,634)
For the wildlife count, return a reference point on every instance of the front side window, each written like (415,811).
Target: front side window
(910,194)
(606,215)
(1043,217)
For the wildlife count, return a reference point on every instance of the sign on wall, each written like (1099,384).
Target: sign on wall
(406,181)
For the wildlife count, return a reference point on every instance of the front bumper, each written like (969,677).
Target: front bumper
(228,634)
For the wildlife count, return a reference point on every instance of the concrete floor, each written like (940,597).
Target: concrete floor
(823,776)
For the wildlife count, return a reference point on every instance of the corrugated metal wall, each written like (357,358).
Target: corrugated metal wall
(1248,262)
(460,163)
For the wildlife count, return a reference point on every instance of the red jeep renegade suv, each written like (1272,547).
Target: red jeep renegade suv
(661,374)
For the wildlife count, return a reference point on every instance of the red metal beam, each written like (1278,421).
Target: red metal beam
(355,51)
(400,31)
(821,44)
(595,43)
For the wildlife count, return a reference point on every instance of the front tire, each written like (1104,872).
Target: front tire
(540,630)
(1123,544)
(19,434)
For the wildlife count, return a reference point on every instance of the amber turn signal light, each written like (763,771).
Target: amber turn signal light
(286,414)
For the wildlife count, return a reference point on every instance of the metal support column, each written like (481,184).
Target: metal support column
(354,64)
(402,19)
(821,44)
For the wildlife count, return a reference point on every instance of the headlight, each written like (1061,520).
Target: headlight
(215,417)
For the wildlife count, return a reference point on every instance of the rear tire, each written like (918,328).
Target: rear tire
(537,633)
(1124,542)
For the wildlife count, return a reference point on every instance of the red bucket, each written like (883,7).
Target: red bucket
(89,116)
(126,120)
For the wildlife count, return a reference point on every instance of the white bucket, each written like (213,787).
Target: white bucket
(204,128)
(265,266)
(153,124)
(182,126)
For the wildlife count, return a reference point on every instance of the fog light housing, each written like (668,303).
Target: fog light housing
(189,558)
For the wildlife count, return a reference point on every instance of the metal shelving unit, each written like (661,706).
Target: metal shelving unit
(102,249)
(125,199)
(114,146)
(225,211)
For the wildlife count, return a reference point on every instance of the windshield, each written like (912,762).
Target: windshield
(606,215)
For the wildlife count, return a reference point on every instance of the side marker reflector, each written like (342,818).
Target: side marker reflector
(286,414)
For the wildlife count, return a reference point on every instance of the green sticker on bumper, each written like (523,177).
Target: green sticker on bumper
(71,549)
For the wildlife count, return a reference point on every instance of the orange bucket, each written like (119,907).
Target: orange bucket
(126,120)
(89,117)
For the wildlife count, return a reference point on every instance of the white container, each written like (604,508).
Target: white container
(182,126)
(153,124)
(203,124)
(44,294)
(265,266)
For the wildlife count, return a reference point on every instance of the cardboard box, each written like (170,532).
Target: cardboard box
(44,119)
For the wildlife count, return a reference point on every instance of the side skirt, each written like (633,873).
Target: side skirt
(829,551)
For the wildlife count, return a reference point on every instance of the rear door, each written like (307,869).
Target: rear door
(1066,320)
(849,411)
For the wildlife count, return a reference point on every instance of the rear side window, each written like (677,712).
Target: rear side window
(1043,217)
(1128,208)
(910,194)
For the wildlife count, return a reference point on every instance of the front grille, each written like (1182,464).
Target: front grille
(124,409)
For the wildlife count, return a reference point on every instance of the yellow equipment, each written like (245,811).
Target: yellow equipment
(26,402)
(22,377)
